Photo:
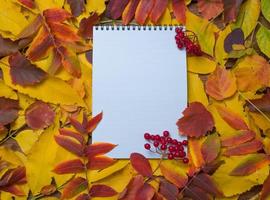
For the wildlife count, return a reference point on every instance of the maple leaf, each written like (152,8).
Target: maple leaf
(8,110)
(196,122)
(210,9)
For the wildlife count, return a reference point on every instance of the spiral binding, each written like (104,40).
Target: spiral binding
(139,28)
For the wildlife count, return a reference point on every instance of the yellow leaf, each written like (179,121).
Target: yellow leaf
(43,5)
(9,156)
(200,65)
(220,53)
(26,139)
(260,121)
(52,90)
(232,185)
(166,18)
(204,30)
(195,154)
(97,6)
(7,92)
(196,89)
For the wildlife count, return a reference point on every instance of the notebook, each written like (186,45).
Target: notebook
(139,82)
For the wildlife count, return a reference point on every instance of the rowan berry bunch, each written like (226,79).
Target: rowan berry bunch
(166,146)
(189,40)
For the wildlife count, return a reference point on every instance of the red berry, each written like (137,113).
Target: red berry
(169,139)
(171,148)
(170,156)
(185,142)
(152,137)
(180,46)
(185,160)
(178,30)
(157,137)
(163,147)
(175,142)
(179,143)
(182,154)
(147,146)
(176,154)
(156,144)
(180,148)
(147,136)
(166,133)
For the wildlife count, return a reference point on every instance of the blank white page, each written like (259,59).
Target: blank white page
(140,84)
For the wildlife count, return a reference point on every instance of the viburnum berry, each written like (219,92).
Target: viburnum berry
(147,136)
(166,133)
(147,146)
(185,142)
(163,147)
(185,160)
(156,144)
(170,156)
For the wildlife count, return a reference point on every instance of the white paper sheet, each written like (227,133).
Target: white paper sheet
(140,84)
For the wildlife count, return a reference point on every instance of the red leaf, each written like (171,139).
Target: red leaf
(72,134)
(13,176)
(115,8)
(86,26)
(143,10)
(210,9)
(266,189)
(102,191)
(7,46)
(211,148)
(69,145)
(251,165)
(74,187)
(141,164)
(69,167)
(129,11)
(231,8)
(179,10)
(196,122)
(83,197)
(158,9)
(77,125)
(263,103)
(243,149)
(99,148)
(99,162)
(132,188)
(238,138)
(76,6)
(168,190)
(13,189)
(146,192)
(92,123)
(28,3)
(196,193)
(233,119)
(8,110)
(23,72)
(32,28)
(56,15)
(39,115)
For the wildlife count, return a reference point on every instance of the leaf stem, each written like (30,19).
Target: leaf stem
(12,134)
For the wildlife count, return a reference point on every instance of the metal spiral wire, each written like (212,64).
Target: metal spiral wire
(133,27)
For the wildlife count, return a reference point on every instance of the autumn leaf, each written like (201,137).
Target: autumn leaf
(262,37)
(92,123)
(158,10)
(69,167)
(141,164)
(146,192)
(210,9)
(7,46)
(76,6)
(251,165)
(115,8)
(23,72)
(196,122)
(266,189)
(265,8)
(168,190)
(143,10)
(235,37)
(99,148)
(129,12)
(211,148)
(179,9)
(72,134)
(39,115)
(221,84)
(74,187)
(231,8)
(99,162)
(86,26)
(99,190)
(8,110)
(261,103)
(238,138)
(28,3)
(243,149)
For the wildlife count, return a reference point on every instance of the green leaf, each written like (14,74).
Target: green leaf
(263,39)
(266,9)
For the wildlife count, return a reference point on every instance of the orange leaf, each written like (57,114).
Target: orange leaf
(102,191)
(239,138)
(141,164)
(99,148)
(266,189)
(69,145)
(56,15)
(210,9)
(143,10)
(13,189)
(77,125)
(115,8)
(174,177)
(196,122)
(92,123)
(158,9)
(233,119)
(254,163)
(221,84)
(74,187)
(129,11)
(69,167)
(211,148)
(243,149)
(146,192)
(129,193)
(99,162)
(179,10)
(72,134)
(194,151)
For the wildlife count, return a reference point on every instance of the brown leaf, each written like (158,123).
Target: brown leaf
(196,122)
(129,11)
(23,72)
(115,8)
(92,123)
(179,10)
(168,190)
(196,193)
(235,37)
(240,137)
(83,197)
(233,119)
(210,9)
(158,9)
(146,192)
(70,145)
(243,149)
(102,191)
(221,84)
(211,148)
(263,103)
(143,10)
(251,165)
(86,26)
(74,187)
(69,167)
(231,8)
(132,188)
(141,164)
(76,6)
(266,189)
(39,115)
(8,110)
(7,46)
(13,189)
(13,176)
(72,134)
(99,162)
(99,148)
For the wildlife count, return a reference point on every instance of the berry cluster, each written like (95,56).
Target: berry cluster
(189,40)
(166,146)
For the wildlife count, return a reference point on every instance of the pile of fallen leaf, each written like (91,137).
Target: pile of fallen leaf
(45,102)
